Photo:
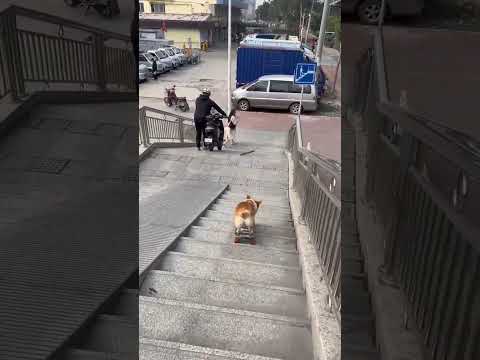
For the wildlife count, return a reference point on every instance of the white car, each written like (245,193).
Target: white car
(163,58)
(180,54)
(143,72)
(172,56)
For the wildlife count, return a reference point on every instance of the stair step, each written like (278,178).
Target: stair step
(351,352)
(356,302)
(360,337)
(262,228)
(255,253)
(261,217)
(224,329)
(350,266)
(224,237)
(218,293)
(241,271)
(151,349)
(112,334)
(231,204)
(352,252)
(81,354)
(271,201)
(126,305)
(264,211)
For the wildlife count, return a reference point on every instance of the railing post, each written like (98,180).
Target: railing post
(407,153)
(180,130)
(100,61)
(9,37)
(144,126)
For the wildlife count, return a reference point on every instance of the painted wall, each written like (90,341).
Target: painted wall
(187,6)
(180,36)
(182,6)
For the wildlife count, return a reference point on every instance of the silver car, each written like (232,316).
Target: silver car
(143,73)
(163,58)
(172,56)
(275,92)
(147,60)
(180,54)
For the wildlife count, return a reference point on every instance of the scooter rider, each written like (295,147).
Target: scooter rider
(203,107)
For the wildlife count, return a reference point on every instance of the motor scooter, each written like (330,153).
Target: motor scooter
(106,8)
(171,99)
(213,132)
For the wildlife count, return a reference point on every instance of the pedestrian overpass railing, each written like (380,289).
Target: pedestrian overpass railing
(44,52)
(424,180)
(318,182)
(162,126)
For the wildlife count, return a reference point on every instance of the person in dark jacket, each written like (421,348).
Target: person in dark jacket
(203,107)
(154,69)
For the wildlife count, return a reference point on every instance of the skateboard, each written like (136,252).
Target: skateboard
(245,236)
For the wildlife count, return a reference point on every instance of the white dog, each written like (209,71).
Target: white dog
(230,129)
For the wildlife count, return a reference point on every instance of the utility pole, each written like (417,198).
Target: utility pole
(309,20)
(229,55)
(321,34)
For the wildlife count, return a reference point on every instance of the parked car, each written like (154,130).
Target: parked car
(163,58)
(368,11)
(275,92)
(147,60)
(172,56)
(143,73)
(179,53)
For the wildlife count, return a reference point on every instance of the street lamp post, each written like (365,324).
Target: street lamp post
(321,34)
(229,70)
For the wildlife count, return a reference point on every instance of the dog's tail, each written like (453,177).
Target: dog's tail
(245,215)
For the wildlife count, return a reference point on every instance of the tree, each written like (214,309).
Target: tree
(289,13)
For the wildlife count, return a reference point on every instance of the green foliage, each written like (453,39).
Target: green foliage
(288,13)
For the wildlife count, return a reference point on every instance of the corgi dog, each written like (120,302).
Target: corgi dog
(245,212)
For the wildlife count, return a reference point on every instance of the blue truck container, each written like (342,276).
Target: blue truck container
(254,62)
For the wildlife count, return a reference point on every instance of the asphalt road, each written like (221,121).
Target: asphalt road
(189,80)
(437,70)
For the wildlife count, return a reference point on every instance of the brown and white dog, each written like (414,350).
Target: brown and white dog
(245,212)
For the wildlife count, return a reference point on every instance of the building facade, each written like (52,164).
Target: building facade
(189,22)
(249,13)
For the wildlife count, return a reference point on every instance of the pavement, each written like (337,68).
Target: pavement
(435,70)
(67,190)
(189,80)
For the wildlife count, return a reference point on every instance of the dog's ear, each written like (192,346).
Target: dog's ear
(249,197)
(258,203)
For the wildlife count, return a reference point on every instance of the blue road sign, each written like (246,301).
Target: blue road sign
(305,74)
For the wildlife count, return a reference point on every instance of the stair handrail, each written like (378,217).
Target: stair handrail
(181,131)
(84,62)
(429,217)
(317,180)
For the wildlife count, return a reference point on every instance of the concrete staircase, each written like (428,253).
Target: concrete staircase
(358,322)
(112,335)
(212,299)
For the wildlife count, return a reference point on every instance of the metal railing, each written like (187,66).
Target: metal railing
(161,126)
(41,50)
(318,182)
(423,179)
